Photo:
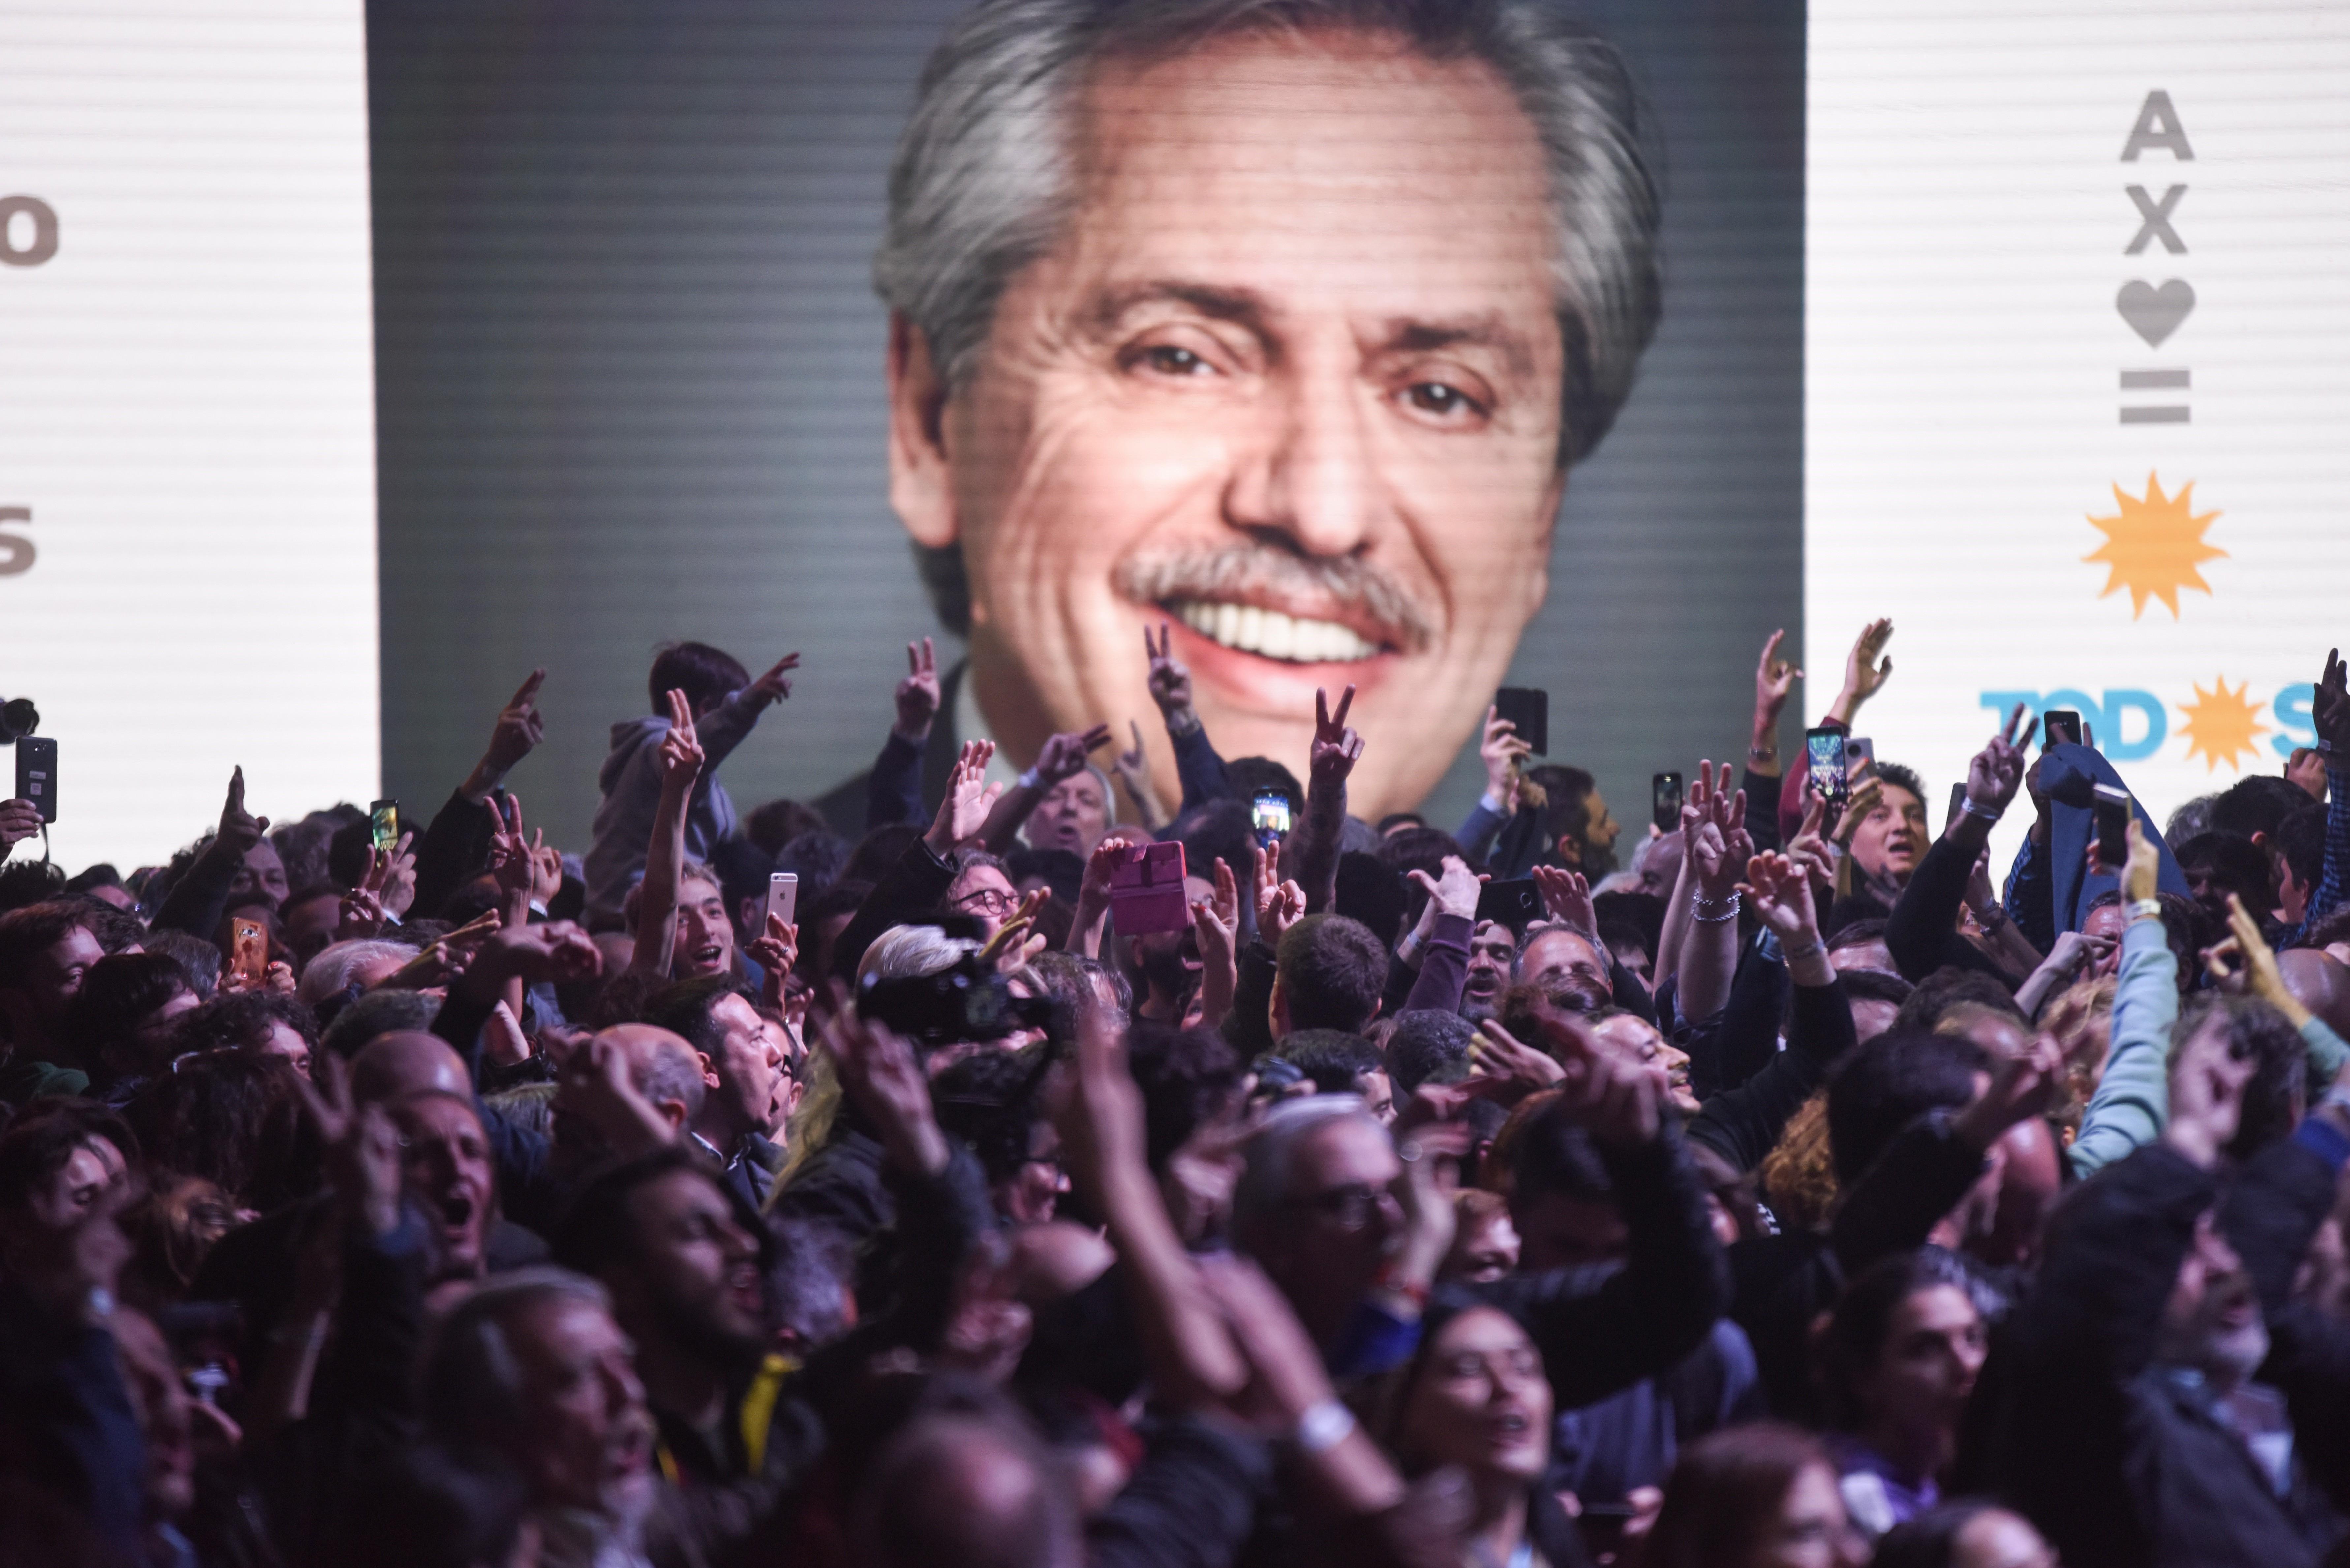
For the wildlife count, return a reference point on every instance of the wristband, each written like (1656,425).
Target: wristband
(1798,955)
(1323,1427)
(1762,753)
(2146,909)
(1031,779)
(1973,807)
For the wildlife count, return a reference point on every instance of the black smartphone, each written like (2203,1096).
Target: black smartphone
(2113,808)
(1512,904)
(1665,801)
(2059,727)
(1957,805)
(383,824)
(1269,818)
(1824,761)
(1528,708)
(36,773)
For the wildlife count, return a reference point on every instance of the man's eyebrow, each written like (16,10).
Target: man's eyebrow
(1405,336)
(1235,305)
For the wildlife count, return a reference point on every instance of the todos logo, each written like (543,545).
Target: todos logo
(2221,723)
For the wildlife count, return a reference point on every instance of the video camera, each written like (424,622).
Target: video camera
(968,1002)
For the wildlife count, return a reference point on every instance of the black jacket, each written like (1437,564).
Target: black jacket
(2117,1458)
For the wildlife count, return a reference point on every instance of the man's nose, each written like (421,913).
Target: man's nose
(1313,478)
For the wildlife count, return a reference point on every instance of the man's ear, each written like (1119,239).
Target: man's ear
(710,1078)
(921,487)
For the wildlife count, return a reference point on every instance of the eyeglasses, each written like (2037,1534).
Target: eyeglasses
(989,901)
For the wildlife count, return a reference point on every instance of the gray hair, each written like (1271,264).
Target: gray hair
(1263,1184)
(906,952)
(470,1381)
(981,184)
(338,962)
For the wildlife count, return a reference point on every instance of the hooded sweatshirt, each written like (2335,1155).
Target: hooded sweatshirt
(631,783)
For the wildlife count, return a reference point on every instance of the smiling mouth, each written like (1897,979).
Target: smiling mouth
(709,952)
(1274,634)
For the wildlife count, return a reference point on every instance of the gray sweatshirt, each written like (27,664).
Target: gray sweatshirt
(632,781)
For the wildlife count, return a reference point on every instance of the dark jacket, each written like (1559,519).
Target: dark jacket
(2118,1460)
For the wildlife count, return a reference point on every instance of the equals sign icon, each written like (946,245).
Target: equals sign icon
(2155,413)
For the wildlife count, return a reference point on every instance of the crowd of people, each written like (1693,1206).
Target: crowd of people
(1797,1193)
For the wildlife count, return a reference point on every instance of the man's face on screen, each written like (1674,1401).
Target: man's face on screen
(1290,381)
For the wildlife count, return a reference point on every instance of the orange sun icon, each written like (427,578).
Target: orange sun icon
(2154,546)
(2221,725)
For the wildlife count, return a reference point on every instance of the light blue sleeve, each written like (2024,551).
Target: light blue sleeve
(2132,1099)
(2327,1052)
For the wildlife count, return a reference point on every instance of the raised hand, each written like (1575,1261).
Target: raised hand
(1616,1098)
(1502,750)
(1865,798)
(773,687)
(1215,926)
(680,748)
(519,728)
(1133,768)
(1774,680)
(969,798)
(1714,831)
(1780,892)
(1278,908)
(1997,771)
(2330,709)
(776,949)
(2207,1094)
(362,1146)
(1336,748)
(1566,899)
(2021,1087)
(240,830)
(1064,755)
(557,951)
(1808,849)
(1863,675)
(1455,893)
(1170,679)
(510,852)
(884,1079)
(1496,1053)
(19,820)
(919,694)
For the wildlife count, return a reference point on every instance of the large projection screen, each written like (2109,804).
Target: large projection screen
(187,439)
(2075,384)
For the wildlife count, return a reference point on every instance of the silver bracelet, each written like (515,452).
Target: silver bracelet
(1697,907)
(1973,808)
(1798,955)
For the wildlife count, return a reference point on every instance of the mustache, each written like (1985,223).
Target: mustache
(1235,571)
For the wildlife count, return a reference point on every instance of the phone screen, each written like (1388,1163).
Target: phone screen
(2113,808)
(249,944)
(2060,727)
(1824,761)
(1268,816)
(1665,797)
(383,824)
(783,896)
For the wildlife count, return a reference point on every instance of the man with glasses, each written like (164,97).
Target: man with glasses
(1348,1223)
(982,888)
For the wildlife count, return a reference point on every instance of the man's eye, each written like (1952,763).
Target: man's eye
(1436,398)
(1170,360)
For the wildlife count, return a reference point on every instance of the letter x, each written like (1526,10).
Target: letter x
(2156,220)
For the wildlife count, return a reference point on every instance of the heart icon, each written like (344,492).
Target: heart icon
(2154,314)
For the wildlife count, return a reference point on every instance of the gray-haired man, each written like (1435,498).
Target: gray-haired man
(1280,321)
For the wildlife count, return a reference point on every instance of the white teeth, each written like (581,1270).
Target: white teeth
(1272,634)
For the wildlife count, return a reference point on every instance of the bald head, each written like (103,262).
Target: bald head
(2320,982)
(406,1062)
(664,1068)
(963,1491)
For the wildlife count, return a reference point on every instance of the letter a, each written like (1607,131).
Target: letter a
(2158,126)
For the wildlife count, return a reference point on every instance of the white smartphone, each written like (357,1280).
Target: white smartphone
(783,896)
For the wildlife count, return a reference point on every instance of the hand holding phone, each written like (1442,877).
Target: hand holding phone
(1527,708)
(1269,818)
(1665,801)
(37,775)
(2113,812)
(1146,892)
(249,951)
(782,897)
(383,824)
(1823,765)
